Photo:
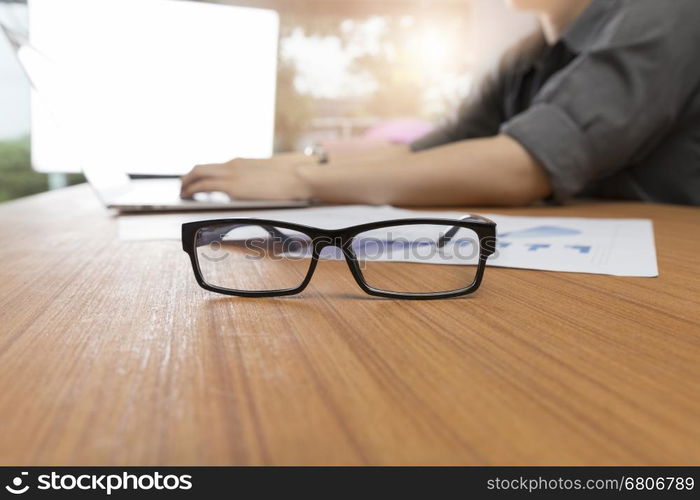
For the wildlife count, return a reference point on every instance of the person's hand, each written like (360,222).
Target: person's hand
(276,178)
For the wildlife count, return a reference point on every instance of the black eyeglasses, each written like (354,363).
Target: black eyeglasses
(406,258)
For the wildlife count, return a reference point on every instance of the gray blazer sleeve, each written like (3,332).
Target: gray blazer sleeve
(616,101)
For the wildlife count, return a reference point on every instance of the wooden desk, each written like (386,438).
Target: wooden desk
(111,354)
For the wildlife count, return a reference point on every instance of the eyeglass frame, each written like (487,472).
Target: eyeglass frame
(484,228)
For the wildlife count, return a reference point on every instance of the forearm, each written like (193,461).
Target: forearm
(381,152)
(492,171)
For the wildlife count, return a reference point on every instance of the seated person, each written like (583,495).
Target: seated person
(604,102)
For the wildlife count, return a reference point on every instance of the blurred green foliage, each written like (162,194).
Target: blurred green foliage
(17,178)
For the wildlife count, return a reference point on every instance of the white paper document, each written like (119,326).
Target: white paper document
(620,247)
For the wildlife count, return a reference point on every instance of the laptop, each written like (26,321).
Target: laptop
(118,191)
(60,99)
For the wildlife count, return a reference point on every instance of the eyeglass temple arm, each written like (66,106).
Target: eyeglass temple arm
(445,238)
(204,237)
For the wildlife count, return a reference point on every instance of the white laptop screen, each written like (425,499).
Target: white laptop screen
(153,86)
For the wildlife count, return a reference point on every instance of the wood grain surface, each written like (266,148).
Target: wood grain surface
(111,354)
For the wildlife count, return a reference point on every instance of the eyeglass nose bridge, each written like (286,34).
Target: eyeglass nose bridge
(322,241)
(344,243)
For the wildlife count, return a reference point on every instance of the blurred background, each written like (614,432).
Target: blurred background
(346,69)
